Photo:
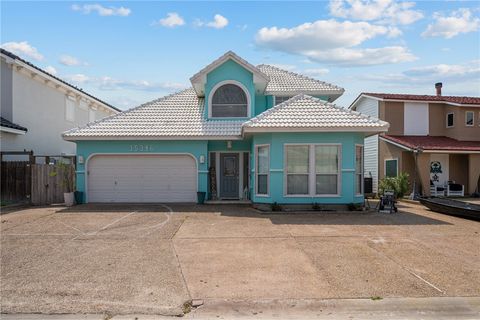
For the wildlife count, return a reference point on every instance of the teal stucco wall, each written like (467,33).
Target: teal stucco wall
(277,142)
(87,149)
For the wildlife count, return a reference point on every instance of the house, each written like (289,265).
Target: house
(439,133)
(37,107)
(244,132)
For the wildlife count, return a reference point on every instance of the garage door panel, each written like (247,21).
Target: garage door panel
(142,178)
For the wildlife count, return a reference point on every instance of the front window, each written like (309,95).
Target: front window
(469,118)
(391,168)
(229,100)
(262,170)
(297,169)
(326,169)
(359,169)
(449,120)
(280,99)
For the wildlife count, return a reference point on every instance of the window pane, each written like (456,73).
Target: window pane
(358,159)
(229,100)
(279,99)
(326,184)
(262,160)
(297,159)
(229,110)
(469,120)
(262,184)
(450,120)
(326,159)
(297,184)
(391,168)
(358,183)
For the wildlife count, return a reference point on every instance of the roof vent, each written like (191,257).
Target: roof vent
(438,87)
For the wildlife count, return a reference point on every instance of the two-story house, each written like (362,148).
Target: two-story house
(441,134)
(241,131)
(37,107)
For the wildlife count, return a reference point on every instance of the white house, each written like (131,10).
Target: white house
(36,107)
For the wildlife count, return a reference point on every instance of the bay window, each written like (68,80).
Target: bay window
(262,170)
(359,169)
(312,169)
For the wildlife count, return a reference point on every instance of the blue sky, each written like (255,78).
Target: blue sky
(128,53)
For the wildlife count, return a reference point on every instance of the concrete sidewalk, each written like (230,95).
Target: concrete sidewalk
(439,308)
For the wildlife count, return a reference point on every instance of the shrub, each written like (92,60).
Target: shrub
(399,185)
(276,207)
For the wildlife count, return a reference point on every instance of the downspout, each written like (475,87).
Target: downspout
(415,195)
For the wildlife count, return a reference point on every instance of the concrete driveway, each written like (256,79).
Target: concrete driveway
(125,259)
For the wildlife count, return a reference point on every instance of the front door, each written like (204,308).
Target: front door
(229,175)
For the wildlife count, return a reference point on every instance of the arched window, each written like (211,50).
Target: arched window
(229,100)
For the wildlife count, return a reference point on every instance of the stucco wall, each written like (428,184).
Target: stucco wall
(473,172)
(392,112)
(6,82)
(277,142)
(460,131)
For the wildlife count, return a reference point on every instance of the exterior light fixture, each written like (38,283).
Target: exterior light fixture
(229,144)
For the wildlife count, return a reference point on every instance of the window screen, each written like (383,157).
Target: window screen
(229,100)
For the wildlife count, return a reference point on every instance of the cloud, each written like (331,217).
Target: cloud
(288,67)
(23,49)
(459,21)
(218,22)
(384,11)
(51,70)
(316,71)
(172,20)
(71,61)
(315,41)
(110,84)
(101,10)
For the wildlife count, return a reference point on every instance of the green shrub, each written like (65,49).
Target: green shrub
(399,185)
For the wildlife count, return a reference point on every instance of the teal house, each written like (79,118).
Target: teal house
(241,132)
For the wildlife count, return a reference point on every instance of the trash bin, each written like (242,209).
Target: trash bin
(200,197)
(78,197)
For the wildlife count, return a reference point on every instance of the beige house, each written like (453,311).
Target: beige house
(441,134)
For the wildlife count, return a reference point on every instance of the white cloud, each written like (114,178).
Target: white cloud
(315,41)
(459,21)
(68,60)
(218,22)
(385,11)
(288,67)
(172,20)
(101,10)
(78,78)
(51,70)
(316,71)
(23,49)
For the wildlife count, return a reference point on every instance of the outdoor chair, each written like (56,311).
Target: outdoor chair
(455,189)
(435,190)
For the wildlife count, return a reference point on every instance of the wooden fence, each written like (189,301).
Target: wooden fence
(37,184)
(16,181)
(49,182)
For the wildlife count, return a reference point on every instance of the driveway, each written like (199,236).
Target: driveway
(152,259)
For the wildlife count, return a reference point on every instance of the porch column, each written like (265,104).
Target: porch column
(473,172)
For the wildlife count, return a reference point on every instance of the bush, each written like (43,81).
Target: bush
(399,185)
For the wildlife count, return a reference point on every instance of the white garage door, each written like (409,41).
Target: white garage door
(142,178)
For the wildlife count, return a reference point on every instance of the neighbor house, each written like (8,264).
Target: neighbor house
(439,133)
(241,132)
(37,107)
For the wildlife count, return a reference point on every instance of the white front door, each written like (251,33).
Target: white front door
(141,178)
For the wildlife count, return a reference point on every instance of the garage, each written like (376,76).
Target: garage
(141,178)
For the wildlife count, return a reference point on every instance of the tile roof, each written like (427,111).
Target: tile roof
(434,143)
(179,115)
(7,124)
(15,57)
(304,112)
(287,82)
(417,97)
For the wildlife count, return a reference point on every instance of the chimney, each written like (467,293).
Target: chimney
(438,87)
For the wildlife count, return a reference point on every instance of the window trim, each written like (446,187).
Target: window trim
(473,119)
(385,166)
(453,120)
(241,86)
(362,191)
(264,195)
(312,188)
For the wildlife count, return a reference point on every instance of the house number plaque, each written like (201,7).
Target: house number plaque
(140,148)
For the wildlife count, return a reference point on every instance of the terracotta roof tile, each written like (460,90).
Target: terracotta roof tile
(434,143)
(417,97)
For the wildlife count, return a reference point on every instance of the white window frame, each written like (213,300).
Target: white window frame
(312,185)
(473,118)
(453,120)
(241,86)
(385,166)
(256,171)
(71,99)
(362,191)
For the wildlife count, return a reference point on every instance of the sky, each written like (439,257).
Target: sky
(128,53)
